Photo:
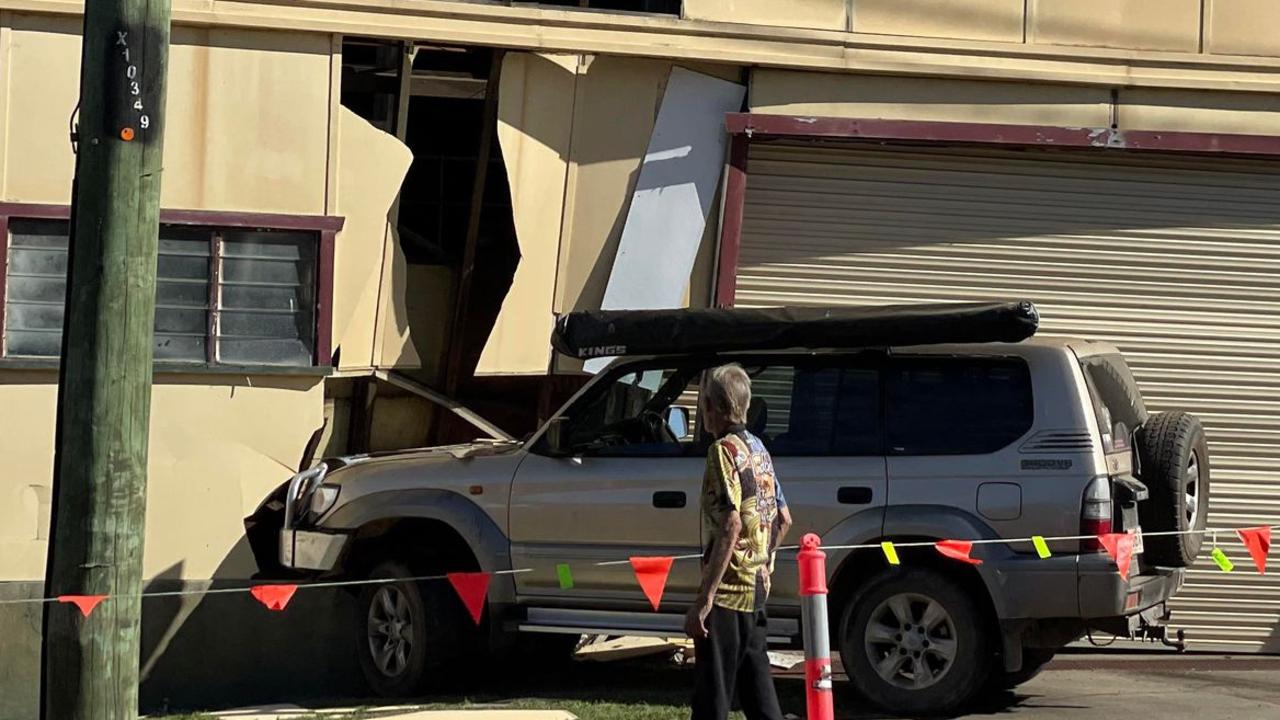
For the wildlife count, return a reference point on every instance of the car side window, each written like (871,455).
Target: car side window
(956,406)
(640,412)
(816,409)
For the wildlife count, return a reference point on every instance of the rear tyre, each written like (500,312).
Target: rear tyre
(1033,662)
(1174,458)
(405,630)
(914,642)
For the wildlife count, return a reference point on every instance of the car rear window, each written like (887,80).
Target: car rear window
(1117,402)
(956,406)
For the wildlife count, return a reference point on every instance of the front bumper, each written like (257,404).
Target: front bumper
(311,550)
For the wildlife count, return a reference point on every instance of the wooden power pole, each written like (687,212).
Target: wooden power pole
(90,666)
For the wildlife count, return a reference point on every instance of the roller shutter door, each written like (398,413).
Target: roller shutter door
(1174,259)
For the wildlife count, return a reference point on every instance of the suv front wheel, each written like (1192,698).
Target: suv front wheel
(405,630)
(913,642)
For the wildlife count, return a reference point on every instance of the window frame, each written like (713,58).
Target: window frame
(325,226)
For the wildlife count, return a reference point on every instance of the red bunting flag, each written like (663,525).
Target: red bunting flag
(1258,542)
(86,603)
(957,550)
(472,588)
(1120,547)
(275,597)
(651,573)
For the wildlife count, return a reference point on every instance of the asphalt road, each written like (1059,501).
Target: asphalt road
(1140,687)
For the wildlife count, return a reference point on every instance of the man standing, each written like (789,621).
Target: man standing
(742,525)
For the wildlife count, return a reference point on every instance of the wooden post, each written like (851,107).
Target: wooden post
(90,665)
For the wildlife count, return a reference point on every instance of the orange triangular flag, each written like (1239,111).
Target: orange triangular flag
(275,597)
(1258,541)
(651,573)
(1120,547)
(86,603)
(471,588)
(957,550)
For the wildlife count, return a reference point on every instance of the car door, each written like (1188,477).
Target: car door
(819,416)
(613,492)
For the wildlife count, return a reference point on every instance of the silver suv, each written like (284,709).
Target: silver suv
(992,440)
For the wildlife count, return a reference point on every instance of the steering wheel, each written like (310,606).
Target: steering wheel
(657,428)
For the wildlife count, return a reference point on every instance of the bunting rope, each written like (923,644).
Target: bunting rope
(651,571)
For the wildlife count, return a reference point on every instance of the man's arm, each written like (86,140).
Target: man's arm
(695,623)
(784,525)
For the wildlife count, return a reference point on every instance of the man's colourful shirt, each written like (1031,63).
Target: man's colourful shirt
(740,476)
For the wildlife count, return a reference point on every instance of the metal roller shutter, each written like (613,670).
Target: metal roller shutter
(1174,259)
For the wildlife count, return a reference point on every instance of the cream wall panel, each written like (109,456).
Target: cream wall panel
(1127,24)
(371,166)
(247,125)
(215,451)
(997,20)
(1191,111)
(415,314)
(1242,27)
(535,119)
(785,92)
(818,14)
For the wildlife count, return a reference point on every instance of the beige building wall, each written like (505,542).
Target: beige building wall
(249,131)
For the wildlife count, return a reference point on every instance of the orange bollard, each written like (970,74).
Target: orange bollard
(813,617)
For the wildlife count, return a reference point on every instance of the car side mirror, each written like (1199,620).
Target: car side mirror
(678,421)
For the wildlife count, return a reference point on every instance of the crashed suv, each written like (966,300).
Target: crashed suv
(903,424)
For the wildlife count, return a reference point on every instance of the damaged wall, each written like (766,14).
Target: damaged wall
(248,131)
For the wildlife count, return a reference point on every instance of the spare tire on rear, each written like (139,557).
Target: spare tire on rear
(1174,465)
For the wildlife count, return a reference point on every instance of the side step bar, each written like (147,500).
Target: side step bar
(782,631)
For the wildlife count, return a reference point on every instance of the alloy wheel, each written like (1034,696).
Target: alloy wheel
(1191,491)
(911,641)
(390,631)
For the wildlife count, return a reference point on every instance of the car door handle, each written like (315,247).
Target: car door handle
(854,495)
(669,499)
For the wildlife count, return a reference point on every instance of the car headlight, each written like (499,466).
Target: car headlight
(323,499)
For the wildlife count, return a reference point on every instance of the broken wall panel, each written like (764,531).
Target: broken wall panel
(615,105)
(371,166)
(667,216)
(535,119)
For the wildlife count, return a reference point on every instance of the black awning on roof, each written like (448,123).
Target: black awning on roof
(603,333)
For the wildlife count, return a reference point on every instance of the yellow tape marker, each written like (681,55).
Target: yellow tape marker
(1223,561)
(1042,549)
(890,553)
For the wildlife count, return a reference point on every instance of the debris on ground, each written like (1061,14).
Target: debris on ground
(612,649)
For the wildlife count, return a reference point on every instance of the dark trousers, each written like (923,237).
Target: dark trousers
(733,659)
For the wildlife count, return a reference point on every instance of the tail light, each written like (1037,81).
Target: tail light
(1095,513)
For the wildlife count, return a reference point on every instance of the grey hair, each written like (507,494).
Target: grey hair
(729,393)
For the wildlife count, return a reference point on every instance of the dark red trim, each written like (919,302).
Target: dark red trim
(324,299)
(754,125)
(735,192)
(217,218)
(4,274)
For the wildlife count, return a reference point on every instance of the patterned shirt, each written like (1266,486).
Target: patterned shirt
(739,476)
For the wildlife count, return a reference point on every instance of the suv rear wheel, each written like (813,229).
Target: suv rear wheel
(405,630)
(914,642)
(1175,468)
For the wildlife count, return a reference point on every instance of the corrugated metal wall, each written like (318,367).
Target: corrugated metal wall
(1176,260)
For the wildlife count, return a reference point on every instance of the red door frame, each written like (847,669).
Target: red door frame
(747,127)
